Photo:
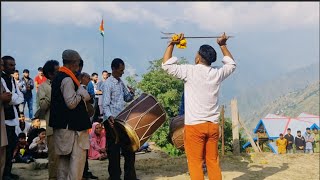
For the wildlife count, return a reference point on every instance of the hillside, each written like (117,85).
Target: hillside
(291,104)
(254,98)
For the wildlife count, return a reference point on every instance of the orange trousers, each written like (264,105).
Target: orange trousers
(201,144)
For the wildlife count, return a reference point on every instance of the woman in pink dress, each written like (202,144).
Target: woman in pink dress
(97,142)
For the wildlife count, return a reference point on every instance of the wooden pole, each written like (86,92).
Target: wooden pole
(254,146)
(222,130)
(235,127)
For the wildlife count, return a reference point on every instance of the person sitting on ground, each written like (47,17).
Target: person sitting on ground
(23,125)
(21,152)
(97,143)
(282,144)
(33,131)
(300,143)
(39,147)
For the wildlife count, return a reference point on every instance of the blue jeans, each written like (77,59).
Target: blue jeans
(29,101)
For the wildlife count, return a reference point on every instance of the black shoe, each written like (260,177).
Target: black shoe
(89,175)
(7,178)
(14,176)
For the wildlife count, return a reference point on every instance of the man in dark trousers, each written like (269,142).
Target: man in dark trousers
(290,140)
(115,96)
(86,173)
(10,112)
(300,143)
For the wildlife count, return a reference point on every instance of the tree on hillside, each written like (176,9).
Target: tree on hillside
(168,91)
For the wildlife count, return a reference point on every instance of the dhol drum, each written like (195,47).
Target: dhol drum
(138,121)
(176,132)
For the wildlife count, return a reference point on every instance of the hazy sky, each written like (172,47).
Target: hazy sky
(270,37)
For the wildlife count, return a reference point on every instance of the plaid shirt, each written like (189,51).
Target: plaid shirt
(115,96)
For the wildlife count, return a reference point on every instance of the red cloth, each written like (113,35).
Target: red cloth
(39,80)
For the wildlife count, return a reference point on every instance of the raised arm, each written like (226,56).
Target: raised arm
(222,41)
(168,53)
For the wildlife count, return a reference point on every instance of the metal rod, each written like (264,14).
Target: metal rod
(197,37)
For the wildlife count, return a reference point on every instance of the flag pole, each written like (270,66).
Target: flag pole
(102,48)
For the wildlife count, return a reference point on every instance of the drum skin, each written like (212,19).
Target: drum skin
(176,132)
(138,121)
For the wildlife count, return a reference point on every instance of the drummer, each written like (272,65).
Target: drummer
(115,96)
(201,83)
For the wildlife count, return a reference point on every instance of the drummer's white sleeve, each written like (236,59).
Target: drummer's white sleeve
(178,70)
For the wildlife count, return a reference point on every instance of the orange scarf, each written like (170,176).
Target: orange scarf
(69,73)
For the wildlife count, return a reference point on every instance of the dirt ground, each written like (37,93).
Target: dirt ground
(156,165)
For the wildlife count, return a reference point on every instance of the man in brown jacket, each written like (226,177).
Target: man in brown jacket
(50,69)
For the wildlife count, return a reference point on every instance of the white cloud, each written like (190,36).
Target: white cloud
(240,16)
(210,16)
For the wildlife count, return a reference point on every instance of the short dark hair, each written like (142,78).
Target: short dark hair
(40,69)
(104,71)
(307,128)
(81,63)
(298,131)
(115,64)
(32,119)
(25,71)
(41,130)
(16,71)
(6,59)
(22,135)
(94,74)
(281,134)
(208,53)
(49,67)
(289,129)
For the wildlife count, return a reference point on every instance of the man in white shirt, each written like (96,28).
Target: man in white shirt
(23,126)
(10,112)
(201,87)
(105,76)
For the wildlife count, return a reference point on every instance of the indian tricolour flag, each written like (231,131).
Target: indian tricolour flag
(101,29)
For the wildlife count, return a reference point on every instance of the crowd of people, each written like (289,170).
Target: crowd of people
(75,134)
(23,142)
(308,143)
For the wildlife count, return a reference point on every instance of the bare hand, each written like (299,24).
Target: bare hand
(131,89)
(177,41)
(6,97)
(111,121)
(223,39)
(103,150)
